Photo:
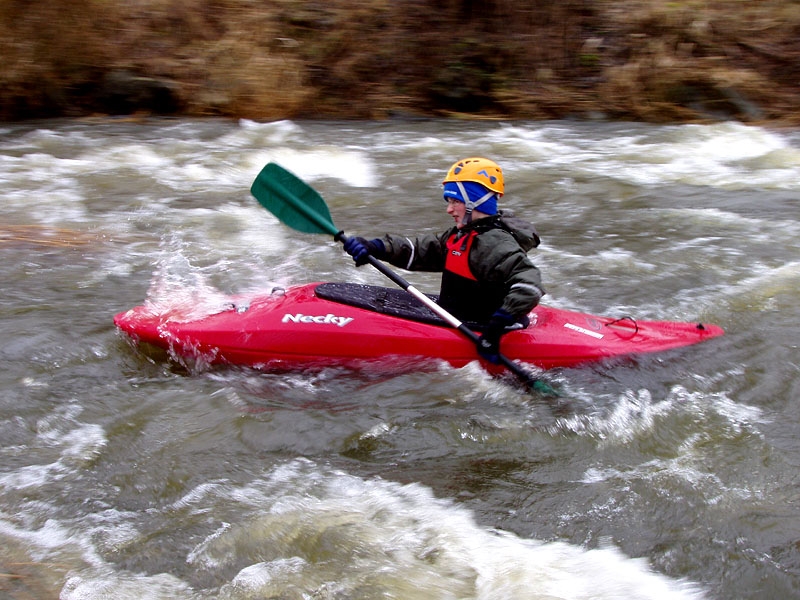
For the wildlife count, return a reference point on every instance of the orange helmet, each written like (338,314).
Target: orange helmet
(480,170)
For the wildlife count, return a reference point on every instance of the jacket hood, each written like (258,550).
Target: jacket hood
(523,231)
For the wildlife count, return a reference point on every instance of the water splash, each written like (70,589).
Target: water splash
(181,290)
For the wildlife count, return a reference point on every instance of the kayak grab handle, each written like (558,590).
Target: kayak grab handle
(625,318)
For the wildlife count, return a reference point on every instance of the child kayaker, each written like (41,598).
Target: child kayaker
(487,278)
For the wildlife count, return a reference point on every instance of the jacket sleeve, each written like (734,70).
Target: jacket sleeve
(498,258)
(423,253)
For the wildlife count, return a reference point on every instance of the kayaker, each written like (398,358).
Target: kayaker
(488,281)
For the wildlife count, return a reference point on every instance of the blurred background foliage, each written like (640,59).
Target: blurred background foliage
(642,60)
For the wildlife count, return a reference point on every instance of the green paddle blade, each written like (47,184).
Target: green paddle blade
(292,201)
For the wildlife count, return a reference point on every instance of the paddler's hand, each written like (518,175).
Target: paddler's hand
(360,249)
(489,343)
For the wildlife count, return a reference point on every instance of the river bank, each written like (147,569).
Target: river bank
(637,60)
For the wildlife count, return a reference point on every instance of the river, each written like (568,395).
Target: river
(665,476)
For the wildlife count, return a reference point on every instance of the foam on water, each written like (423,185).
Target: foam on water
(726,155)
(349,167)
(180,203)
(313,530)
(767,283)
(677,432)
(44,171)
(58,434)
(126,586)
(637,415)
(72,446)
(395,537)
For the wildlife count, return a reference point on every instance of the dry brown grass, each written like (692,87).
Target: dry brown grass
(684,60)
(632,59)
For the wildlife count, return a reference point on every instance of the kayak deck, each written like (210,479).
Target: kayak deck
(386,301)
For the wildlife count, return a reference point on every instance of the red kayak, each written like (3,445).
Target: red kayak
(350,324)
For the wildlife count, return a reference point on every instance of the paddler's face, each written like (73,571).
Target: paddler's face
(457,210)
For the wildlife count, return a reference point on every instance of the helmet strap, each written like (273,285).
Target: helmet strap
(469,204)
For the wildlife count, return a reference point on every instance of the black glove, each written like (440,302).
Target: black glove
(360,249)
(489,343)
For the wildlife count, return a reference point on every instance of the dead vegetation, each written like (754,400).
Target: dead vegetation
(631,59)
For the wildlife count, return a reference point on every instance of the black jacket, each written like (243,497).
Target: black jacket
(504,275)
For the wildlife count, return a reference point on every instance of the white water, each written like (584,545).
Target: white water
(121,477)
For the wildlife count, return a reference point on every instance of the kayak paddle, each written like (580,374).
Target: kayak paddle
(299,206)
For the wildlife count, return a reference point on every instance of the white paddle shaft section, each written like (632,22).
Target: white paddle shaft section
(451,320)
